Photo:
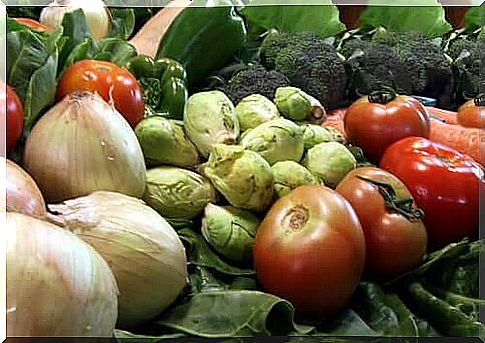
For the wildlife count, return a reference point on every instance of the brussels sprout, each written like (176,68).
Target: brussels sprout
(276,140)
(254,110)
(330,162)
(315,134)
(295,104)
(210,118)
(337,136)
(289,175)
(164,141)
(242,176)
(177,193)
(230,231)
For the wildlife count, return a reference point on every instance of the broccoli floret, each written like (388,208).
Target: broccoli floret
(432,68)
(375,65)
(254,79)
(309,63)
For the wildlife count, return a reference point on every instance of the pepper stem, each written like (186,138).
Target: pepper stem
(383,95)
(403,206)
(479,100)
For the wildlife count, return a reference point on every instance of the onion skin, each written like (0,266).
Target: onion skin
(57,285)
(23,195)
(83,145)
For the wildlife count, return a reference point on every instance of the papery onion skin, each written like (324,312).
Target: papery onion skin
(57,285)
(144,252)
(23,195)
(83,145)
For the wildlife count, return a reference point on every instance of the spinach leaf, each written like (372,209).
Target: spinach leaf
(474,18)
(233,313)
(115,50)
(201,254)
(32,12)
(122,22)
(348,323)
(409,15)
(322,19)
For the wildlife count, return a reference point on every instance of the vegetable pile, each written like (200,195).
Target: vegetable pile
(262,171)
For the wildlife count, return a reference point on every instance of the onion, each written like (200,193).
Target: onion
(144,252)
(97,16)
(57,285)
(23,195)
(83,145)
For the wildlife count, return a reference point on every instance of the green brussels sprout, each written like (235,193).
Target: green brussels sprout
(230,231)
(289,175)
(255,110)
(337,136)
(242,176)
(331,162)
(276,140)
(295,104)
(315,134)
(163,141)
(177,193)
(210,118)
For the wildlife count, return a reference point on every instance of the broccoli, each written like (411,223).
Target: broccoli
(374,65)
(309,63)
(432,68)
(253,79)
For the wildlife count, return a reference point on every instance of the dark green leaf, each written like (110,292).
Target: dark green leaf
(233,313)
(115,50)
(124,336)
(201,254)
(80,52)
(403,16)
(347,323)
(267,14)
(474,18)
(122,22)
(32,12)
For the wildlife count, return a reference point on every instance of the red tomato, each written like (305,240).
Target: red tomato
(15,116)
(395,235)
(469,113)
(444,183)
(376,121)
(33,24)
(116,85)
(310,250)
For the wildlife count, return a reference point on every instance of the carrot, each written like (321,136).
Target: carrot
(463,139)
(449,117)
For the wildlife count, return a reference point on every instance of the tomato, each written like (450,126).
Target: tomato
(15,116)
(394,233)
(469,113)
(33,24)
(310,250)
(376,121)
(113,83)
(444,183)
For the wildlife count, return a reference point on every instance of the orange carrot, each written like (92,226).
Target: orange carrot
(449,117)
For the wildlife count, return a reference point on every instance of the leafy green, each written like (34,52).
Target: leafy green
(32,12)
(200,254)
(322,20)
(347,323)
(115,50)
(427,17)
(125,336)
(122,22)
(474,18)
(232,313)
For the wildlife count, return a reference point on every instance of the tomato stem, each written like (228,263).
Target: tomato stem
(479,100)
(403,206)
(382,96)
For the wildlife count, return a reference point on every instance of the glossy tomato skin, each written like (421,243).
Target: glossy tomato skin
(469,115)
(444,183)
(116,85)
(310,250)
(394,243)
(15,117)
(375,126)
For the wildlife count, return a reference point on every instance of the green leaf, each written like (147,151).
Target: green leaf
(474,18)
(347,323)
(124,336)
(122,22)
(201,254)
(80,52)
(231,314)
(115,50)
(322,19)
(403,16)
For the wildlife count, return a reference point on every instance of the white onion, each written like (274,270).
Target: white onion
(23,195)
(83,145)
(57,285)
(97,16)
(144,252)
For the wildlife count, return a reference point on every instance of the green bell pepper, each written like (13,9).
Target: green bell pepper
(164,84)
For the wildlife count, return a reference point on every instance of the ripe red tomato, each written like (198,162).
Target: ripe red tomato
(15,116)
(469,113)
(116,85)
(310,250)
(376,121)
(33,24)
(395,235)
(444,183)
